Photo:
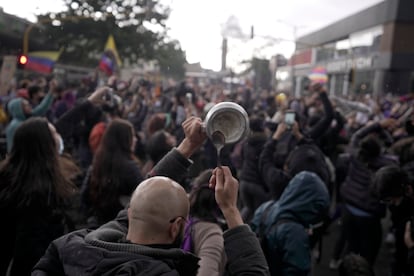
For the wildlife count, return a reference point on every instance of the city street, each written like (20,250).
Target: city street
(382,264)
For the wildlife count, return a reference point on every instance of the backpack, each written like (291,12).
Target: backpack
(274,257)
(261,235)
(188,243)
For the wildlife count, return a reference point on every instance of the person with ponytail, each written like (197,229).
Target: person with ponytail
(363,209)
(203,233)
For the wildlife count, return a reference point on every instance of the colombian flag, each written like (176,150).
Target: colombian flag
(42,61)
(110,60)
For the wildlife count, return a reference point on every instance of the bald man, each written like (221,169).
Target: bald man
(157,212)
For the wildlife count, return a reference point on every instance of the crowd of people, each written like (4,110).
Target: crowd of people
(122,179)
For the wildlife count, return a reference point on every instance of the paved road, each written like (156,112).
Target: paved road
(382,264)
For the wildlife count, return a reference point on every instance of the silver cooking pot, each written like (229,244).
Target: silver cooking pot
(230,119)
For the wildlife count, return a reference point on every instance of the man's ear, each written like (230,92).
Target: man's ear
(174,230)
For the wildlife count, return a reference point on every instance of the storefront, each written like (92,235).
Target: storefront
(369,52)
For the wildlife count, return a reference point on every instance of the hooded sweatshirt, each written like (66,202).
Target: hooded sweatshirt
(18,117)
(302,204)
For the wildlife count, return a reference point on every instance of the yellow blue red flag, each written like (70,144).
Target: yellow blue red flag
(42,61)
(110,60)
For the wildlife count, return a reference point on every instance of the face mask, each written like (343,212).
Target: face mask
(61,146)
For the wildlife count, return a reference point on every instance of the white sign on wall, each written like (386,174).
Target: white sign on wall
(7,72)
(347,64)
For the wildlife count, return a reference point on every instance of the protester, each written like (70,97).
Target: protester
(20,109)
(33,192)
(289,140)
(253,190)
(276,178)
(203,232)
(114,173)
(36,95)
(401,148)
(112,109)
(285,225)
(363,210)
(155,148)
(395,187)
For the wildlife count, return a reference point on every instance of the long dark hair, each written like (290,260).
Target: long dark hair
(157,146)
(369,149)
(111,155)
(31,173)
(203,204)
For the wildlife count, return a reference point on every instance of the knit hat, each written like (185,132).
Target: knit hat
(309,158)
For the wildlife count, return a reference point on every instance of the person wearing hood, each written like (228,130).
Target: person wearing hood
(285,226)
(285,223)
(20,110)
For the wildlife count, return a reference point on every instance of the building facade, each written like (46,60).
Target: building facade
(369,52)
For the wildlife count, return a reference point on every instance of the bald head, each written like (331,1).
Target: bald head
(155,202)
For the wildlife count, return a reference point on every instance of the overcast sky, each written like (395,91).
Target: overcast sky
(200,24)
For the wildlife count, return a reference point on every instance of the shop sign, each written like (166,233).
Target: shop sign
(359,63)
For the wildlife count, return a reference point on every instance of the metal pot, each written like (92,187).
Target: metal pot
(230,119)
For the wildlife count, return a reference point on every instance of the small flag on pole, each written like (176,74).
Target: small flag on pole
(42,61)
(110,60)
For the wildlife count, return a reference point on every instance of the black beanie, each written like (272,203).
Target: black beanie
(307,158)
(389,181)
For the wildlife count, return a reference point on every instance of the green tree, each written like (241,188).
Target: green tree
(171,60)
(138,27)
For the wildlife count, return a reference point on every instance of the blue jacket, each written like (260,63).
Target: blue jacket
(16,112)
(302,204)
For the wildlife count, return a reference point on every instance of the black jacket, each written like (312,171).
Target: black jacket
(276,178)
(27,234)
(288,142)
(104,252)
(357,187)
(251,151)
(30,229)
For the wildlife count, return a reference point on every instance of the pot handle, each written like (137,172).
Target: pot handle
(204,127)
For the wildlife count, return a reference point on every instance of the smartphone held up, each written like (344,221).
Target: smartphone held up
(290,117)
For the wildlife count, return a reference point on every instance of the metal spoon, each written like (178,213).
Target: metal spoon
(218,140)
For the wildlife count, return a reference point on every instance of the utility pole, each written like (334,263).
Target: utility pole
(224,54)
(292,64)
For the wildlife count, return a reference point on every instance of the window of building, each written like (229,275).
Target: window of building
(326,52)
(362,43)
(366,41)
